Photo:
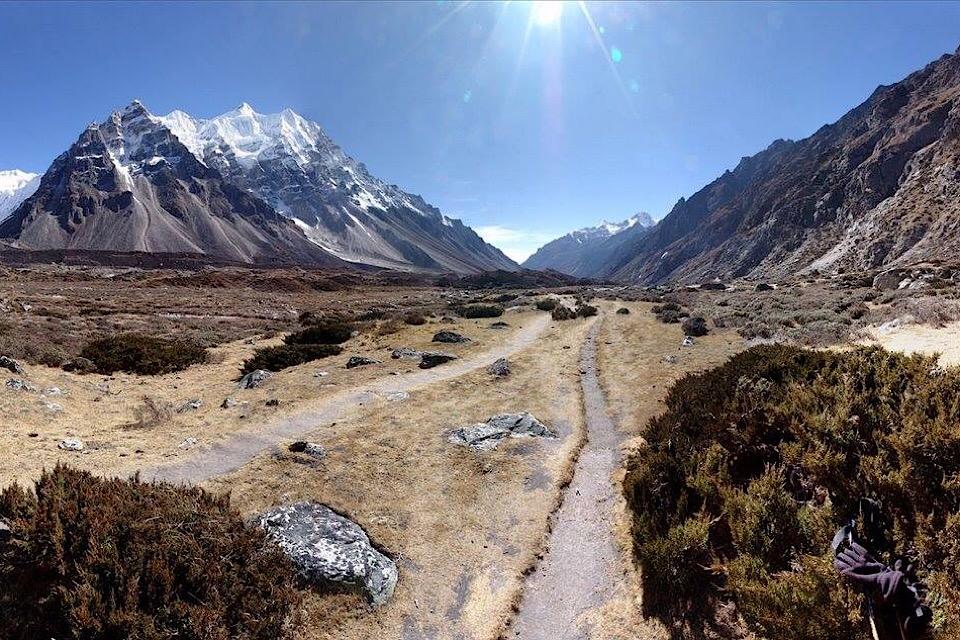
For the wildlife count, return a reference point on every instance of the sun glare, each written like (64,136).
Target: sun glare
(546,12)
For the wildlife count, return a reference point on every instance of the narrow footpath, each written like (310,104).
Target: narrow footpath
(579,570)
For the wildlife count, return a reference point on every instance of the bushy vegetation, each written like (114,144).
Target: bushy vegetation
(322,332)
(414,318)
(755,464)
(145,355)
(117,559)
(547,304)
(562,312)
(586,310)
(695,326)
(480,311)
(669,312)
(288,355)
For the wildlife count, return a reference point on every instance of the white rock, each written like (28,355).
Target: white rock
(71,445)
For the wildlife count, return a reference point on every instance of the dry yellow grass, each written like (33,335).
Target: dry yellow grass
(464,526)
(99,410)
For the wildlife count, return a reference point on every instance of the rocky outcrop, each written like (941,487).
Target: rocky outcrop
(330,550)
(487,435)
(11,365)
(405,353)
(311,449)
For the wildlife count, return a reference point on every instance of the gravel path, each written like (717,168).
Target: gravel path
(239,448)
(580,568)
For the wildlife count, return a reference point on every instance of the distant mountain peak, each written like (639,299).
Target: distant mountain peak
(15,187)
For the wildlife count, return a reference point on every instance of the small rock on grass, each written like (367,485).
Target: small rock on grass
(11,365)
(450,337)
(17,384)
(70,444)
(189,443)
(360,361)
(311,449)
(500,368)
(405,353)
(430,359)
(487,435)
(254,379)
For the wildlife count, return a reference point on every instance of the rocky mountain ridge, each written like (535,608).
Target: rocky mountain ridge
(15,187)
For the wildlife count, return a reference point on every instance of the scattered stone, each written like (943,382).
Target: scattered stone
(449,337)
(500,368)
(189,443)
(11,365)
(672,359)
(254,379)
(329,549)
(272,402)
(499,325)
(79,365)
(405,353)
(20,385)
(52,407)
(70,445)
(623,311)
(311,449)
(397,396)
(33,434)
(321,374)
(360,361)
(487,435)
(687,341)
(228,403)
(430,359)
(190,405)
(53,391)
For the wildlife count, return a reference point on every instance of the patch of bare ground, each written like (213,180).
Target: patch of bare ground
(463,526)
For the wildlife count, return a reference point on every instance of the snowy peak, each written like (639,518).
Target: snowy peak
(15,187)
(606,229)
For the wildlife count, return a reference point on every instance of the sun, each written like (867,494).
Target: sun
(546,13)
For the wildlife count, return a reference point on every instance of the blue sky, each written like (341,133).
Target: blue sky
(523,123)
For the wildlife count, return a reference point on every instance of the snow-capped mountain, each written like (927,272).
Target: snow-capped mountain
(580,252)
(293,165)
(15,187)
(128,184)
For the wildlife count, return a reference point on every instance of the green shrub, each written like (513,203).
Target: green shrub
(116,559)
(145,355)
(480,311)
(547,304)
(774,449)
(287,355)
(321,332)
(669,316)
(586,311)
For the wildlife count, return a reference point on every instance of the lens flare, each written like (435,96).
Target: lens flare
(546,13)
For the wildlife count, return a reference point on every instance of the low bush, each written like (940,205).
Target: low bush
(415,319)
(145,355)
(754,465)
(114,559)
(547,304)
(288,355)
(322,332)
(562,312)
(505,297)
(695,326)
(586,310)
(480,311)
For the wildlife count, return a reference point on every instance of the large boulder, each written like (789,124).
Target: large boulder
(254,379)
(11,365)
(887,280)
(449,337)
(330,550)
(430,359)
(487,435)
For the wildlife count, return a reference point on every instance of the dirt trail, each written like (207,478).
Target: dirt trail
(580,569)
(234,451)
